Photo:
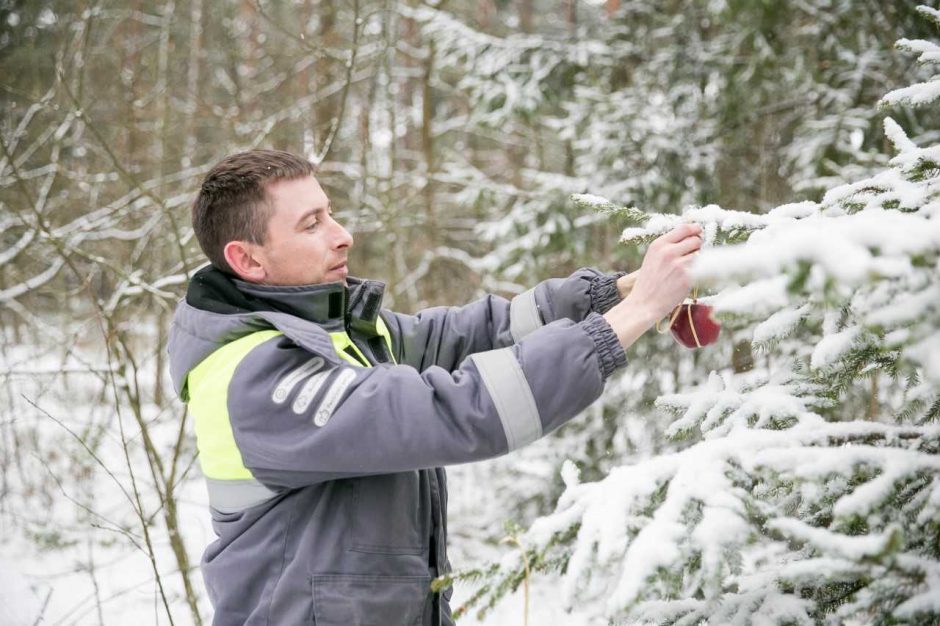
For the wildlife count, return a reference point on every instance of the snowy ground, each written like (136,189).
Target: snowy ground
(70,602)
(59,585)
(68,531)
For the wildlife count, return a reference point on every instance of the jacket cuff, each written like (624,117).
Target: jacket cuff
(610,354)
(604,293)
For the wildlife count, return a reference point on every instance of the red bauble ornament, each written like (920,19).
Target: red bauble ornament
(693,326)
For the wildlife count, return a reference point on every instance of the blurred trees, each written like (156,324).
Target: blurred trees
(439,131)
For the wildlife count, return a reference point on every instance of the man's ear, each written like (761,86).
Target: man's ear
(241,257)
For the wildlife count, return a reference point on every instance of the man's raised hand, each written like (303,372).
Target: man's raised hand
(661,283)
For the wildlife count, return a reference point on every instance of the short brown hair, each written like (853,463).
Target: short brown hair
(232,204)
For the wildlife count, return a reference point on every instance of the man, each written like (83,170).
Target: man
(323,421)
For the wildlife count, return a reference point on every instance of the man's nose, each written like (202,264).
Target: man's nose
(341,237)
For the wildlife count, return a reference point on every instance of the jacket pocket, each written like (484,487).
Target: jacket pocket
(391,514)
(367,600)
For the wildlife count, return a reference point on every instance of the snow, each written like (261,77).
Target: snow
(928,602)
(570,474)
(795,210)
(930,12)
(841,246)
(545,607)
(805,571)
(722,405)
(832,347)
(895,133)
(868,497)
(923,603)
(19,604)
(916,95)
(927,352)
(758,297)
(700,475)
(889,185)
(906,307)
(68,524)
(852,549)
(779,325)
(591,200)
(929,51)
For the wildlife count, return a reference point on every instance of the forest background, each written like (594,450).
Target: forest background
(450,137)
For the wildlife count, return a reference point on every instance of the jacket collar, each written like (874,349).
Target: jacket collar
(333,306)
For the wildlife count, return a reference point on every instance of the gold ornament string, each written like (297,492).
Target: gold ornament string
(675,314)
(698,343)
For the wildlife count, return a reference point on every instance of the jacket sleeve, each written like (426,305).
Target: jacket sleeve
(445,336)
(299,419)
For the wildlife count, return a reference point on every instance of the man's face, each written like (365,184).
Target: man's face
(304,245)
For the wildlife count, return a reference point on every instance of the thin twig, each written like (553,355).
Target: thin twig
(514,539)
(106,328)
(42,611)
(83,444)
(127,176)
(114,526)
(350,66)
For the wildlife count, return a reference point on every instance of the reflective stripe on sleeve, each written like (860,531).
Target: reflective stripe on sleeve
(309,391)
(524,315)
(332,396)
(287,384)
(233,496)
(507,385)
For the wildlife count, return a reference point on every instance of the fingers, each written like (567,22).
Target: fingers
(689,245)
(688,260)
(680,232)
(628,280)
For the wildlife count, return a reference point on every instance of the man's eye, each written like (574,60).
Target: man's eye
(312,226)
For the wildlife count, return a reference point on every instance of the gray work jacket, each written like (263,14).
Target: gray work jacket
(339,514)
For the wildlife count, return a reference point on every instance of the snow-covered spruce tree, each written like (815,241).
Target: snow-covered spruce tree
(805,490)
(658,106)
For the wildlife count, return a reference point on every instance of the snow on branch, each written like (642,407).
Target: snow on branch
(919,94)
(695,513)
(930,13)
(725,403)
(929,51)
